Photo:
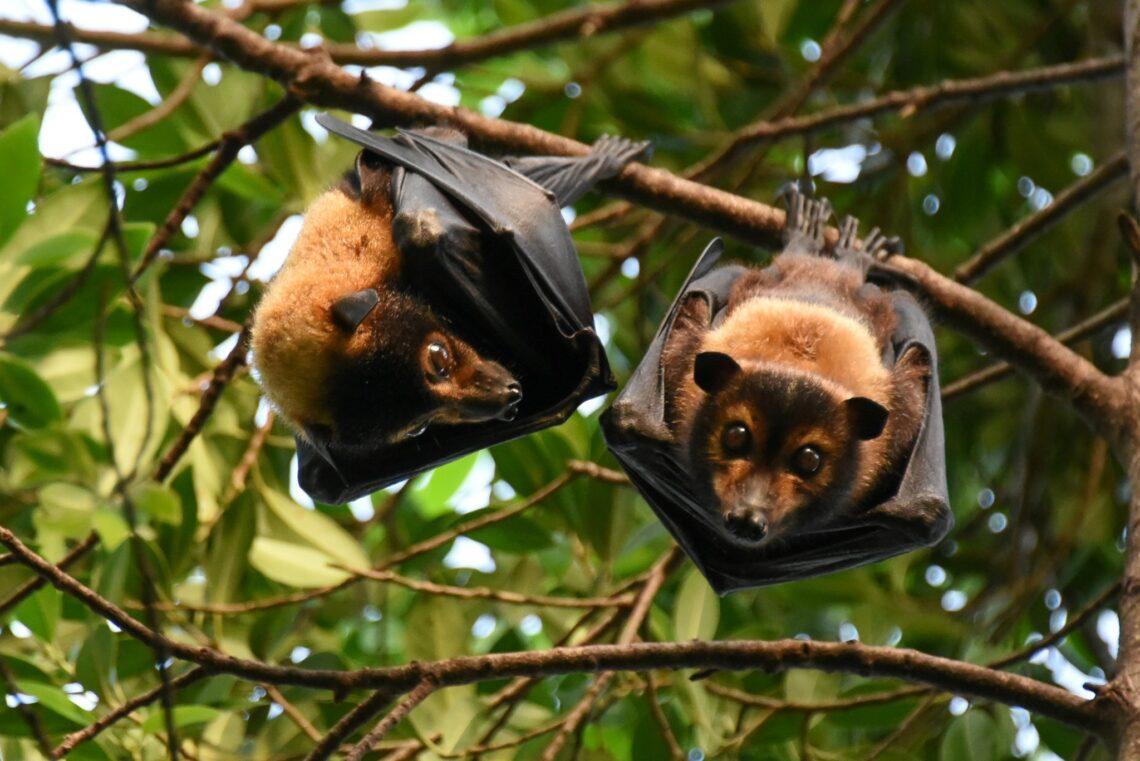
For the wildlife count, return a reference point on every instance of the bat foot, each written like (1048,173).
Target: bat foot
(876,247)
(616,152)
(807,218)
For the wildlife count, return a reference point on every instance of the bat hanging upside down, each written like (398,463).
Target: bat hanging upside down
(349,347)
(788,410)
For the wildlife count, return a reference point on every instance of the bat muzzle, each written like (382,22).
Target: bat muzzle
(746,523)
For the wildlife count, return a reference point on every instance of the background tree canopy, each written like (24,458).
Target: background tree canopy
(127,410)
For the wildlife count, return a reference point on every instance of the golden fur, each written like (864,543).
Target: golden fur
(344,246)
(806,337)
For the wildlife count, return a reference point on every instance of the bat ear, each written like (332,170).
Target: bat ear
(866,417)
(351,310)
(712,370)
(374,176)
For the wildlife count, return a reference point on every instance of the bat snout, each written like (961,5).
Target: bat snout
(512,396)
(746,523)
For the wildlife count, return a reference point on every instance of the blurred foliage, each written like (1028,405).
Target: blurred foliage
(1039,509)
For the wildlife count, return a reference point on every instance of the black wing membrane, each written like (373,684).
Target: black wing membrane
(635,429)
(489,249)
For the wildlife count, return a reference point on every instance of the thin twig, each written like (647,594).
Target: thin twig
(498,595)
(92,730)
(249,457)
(349,723)
(1034,226)
(229,146)
(221,376)
(33,585)
(292,711)
(140,166)
(169,105)
(418,695)
(27,711)
(212,321)
(675,751)
(629,631)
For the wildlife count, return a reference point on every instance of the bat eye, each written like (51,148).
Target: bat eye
(736,439)
(807,461)
(439,360)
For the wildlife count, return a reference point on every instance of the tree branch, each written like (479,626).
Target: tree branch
(584,21)
(92,730)
(422,692)
(1111,314)
(1032,227)
(1058,369)
(946,93)
(316,78)
(775,656)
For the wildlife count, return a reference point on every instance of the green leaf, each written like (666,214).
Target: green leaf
(184,716)
(58,249)
(112,527)
(294,564)
(56,700)
(29,401)
(20,157)
(519,535)
(41,612)
(159,502)
(697,610)
(230,543)
(431,495)
(66,508)
(970,736)
(317,530)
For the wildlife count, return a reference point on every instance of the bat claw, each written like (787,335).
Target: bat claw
(807,217)
(616,152)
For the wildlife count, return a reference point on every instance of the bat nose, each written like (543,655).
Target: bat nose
(746,524)
(514,395)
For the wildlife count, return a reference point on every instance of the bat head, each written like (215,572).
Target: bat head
(773,449)
(404,370)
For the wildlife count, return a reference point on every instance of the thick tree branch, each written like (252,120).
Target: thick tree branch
(580,22)
(776,656)
(1124,689)
(1057,368)
(316,78)
(1110,315)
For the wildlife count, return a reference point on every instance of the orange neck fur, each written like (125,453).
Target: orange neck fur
(344,246)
